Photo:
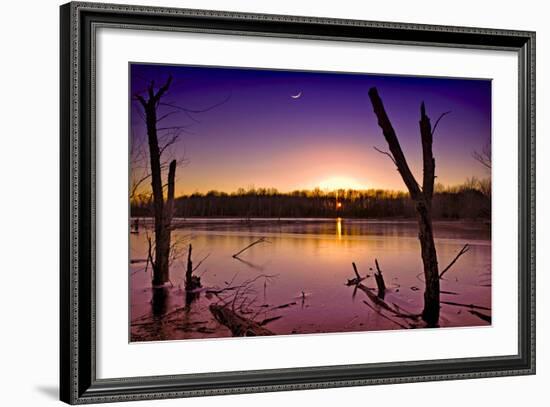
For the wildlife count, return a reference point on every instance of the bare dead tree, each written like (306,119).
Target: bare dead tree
(422,196)
(162,209)
(160,140)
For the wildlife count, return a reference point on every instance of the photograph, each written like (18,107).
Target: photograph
(291,202)
(289,198)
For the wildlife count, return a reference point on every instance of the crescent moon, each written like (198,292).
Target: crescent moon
(296,96)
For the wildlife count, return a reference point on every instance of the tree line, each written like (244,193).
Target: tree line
(470,200)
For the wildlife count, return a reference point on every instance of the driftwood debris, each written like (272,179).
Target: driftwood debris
(284,305)
(382,305)
(268,320)
(386,317)
(472,306)
(260,240)
(237,324)
(484,317)
(357,279)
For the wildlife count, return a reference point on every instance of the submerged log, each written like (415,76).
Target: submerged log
(237,324)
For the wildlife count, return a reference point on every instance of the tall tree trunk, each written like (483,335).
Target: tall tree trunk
(421,197)
(162,216)
(430,314)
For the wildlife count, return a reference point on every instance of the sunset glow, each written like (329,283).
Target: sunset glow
(336,183)
(240,128)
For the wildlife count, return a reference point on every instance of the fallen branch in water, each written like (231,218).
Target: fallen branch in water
(284,305)
(484,317)
(250,264)
(200,262)
(357,279)
(385,317)
(237,324)
(384,305)
(379,300)
(459,304)
(260,240)
(268,320)
(460,253)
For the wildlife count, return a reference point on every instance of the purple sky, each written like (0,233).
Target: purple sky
(263,137)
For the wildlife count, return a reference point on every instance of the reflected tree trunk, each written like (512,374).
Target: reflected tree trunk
(421,196)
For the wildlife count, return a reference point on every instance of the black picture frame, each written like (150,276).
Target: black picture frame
(78,382)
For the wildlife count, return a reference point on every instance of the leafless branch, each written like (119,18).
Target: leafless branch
(460,253)
(200,262)
(438,119)
(170,142)
(166,115)
(260,240)
(386,153)
(206,109)
(484,156)
(141,100)
(137,184)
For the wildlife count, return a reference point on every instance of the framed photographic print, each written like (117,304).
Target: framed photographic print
(248,200)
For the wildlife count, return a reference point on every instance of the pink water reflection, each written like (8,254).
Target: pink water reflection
(311,261)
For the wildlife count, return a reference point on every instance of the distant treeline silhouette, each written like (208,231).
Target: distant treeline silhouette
(471,200)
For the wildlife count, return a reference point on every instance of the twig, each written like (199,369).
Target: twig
(484,317)
(268,320)
(357,279)
(386,153)
(355,270)
(200,262)
(459,304)
(460,253)
(250,264)
(438,119)
(260,240)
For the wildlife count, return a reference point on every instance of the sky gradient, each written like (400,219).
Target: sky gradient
(262,137)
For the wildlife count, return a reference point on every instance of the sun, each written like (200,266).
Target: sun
(340,182)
